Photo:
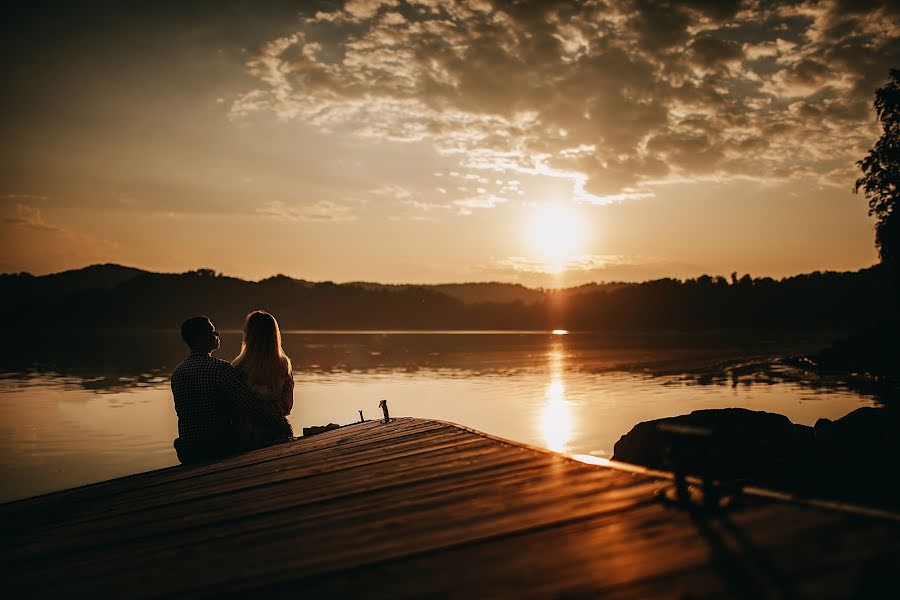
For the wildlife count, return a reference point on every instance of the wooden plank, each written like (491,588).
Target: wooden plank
(419,507)
(365,433)
(298,495)
(253,475)
(67,504)
(391,492)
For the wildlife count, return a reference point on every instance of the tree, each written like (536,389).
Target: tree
(881,175)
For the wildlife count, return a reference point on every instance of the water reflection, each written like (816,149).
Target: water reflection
(79,409)
(556,422)
(110,361)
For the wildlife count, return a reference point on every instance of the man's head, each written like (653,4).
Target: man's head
(200,334)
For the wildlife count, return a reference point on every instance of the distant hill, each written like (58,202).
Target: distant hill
(95,276)
(112,296)
(590,288)
(30,288)
(470,293)
(475,293)
(108,276)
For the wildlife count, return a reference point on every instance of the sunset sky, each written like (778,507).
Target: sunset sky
(546,143)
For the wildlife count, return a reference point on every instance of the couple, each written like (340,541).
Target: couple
(227,408)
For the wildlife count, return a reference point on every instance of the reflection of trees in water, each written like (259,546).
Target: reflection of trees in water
(108,382)
(798,371)
(94,353)
(121,360)
(112,361)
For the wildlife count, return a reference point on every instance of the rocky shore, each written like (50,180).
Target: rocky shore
(855,458)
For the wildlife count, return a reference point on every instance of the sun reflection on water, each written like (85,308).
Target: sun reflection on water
(556,421)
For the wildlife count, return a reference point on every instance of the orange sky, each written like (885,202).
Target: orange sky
(432,141)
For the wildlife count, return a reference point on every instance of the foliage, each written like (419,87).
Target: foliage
(881,174)
(83,300)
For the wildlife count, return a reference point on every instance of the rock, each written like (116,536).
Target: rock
(738,442)
(856,457)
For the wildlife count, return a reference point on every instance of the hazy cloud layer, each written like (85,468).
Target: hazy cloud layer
(29,217)
(322,211)
(615,95)
(48,242)
(612,267)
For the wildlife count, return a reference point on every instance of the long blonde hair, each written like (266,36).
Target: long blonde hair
(262,359)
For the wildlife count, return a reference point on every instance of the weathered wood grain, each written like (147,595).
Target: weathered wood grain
(419,508)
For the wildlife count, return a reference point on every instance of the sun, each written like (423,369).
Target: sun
(555,233)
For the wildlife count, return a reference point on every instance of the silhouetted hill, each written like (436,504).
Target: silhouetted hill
(470,293)
(474,293)
(109,296)
(29,288)
(495,291)
(590,288)
(279,279)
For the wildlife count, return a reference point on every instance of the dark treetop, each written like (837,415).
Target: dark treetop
(881,173)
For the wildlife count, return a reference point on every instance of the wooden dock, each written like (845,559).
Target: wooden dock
(420,508)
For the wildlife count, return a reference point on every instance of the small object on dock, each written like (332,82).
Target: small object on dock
(361,418)
(383,406)
(317,429)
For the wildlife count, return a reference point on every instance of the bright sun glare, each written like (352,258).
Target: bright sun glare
(555,234)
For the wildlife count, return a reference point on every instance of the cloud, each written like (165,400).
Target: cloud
(616,96)
(712,53)
(25,197)
(480,200)
(30,239)
(532,265)
(355,11)
(392,191)
(768,49)
(425,206)
(29,217)
(840,177)
(322,211)
(584,262)
(591,267)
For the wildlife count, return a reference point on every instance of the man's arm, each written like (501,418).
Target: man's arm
(243,400)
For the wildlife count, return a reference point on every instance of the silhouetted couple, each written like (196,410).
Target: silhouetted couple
(228,408)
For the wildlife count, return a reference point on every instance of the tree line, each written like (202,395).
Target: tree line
(143,300)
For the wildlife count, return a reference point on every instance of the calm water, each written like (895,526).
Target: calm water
(76,409)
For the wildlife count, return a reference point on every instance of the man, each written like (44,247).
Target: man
(208,392)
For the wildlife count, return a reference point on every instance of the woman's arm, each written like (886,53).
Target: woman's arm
(287,394)
(239,396)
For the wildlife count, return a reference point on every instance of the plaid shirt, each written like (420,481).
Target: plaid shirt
(208,393)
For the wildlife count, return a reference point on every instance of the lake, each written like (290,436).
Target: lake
(77,408)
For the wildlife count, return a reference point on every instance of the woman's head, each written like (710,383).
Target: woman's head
(262,356)
(261,334)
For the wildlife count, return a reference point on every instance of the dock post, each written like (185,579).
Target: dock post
(687,450)
(361,419)
(383,406)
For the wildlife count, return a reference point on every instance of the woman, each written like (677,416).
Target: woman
(266,370)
